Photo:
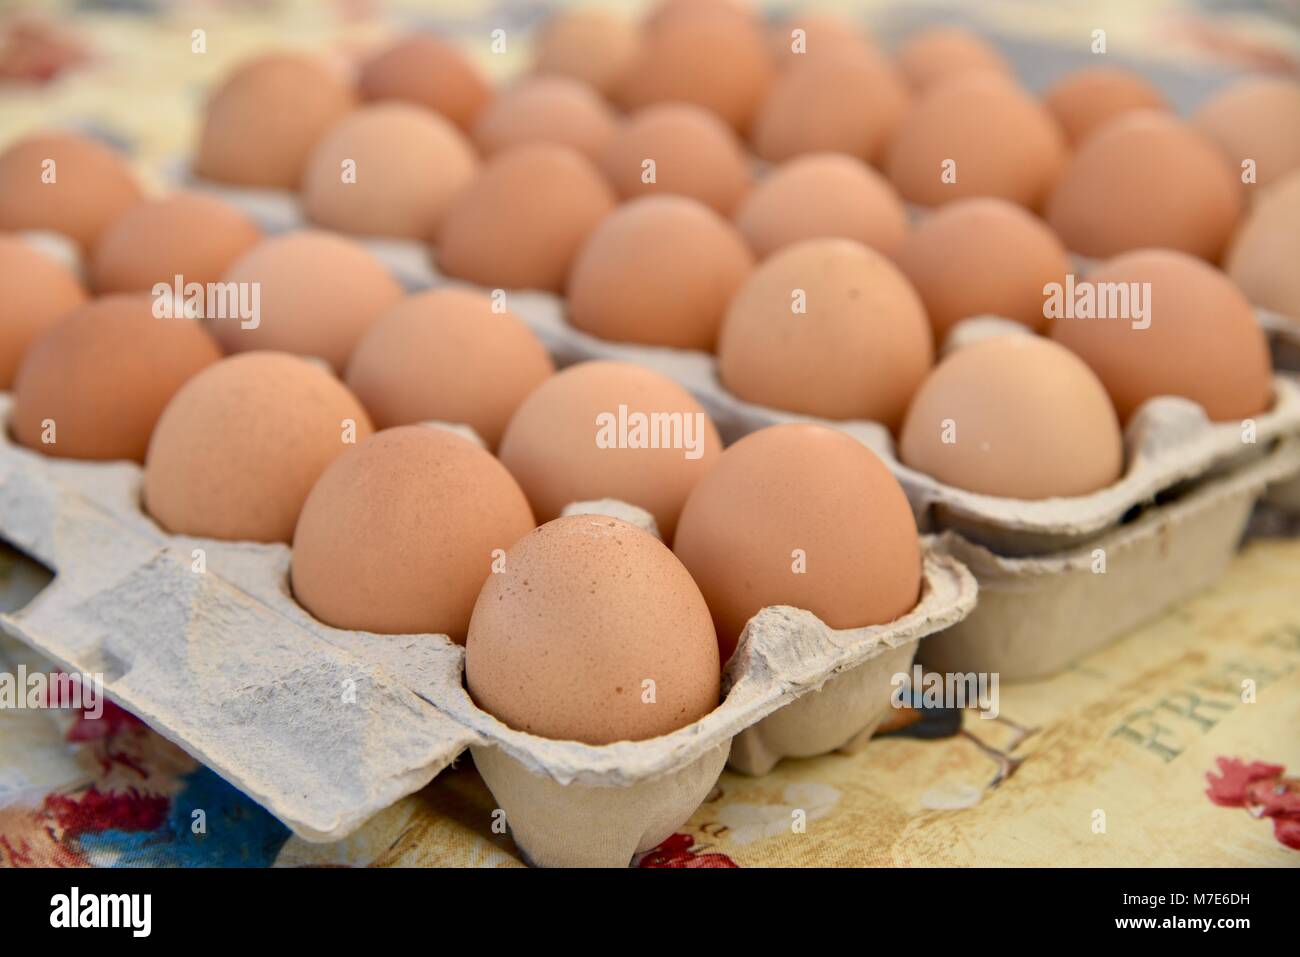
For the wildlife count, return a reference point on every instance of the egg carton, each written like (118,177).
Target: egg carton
(203,641)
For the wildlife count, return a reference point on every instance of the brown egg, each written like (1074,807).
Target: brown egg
(93,384)
(262,122)
(804,36)
(1197,339)
(662,11)
(38,290)
(241,444)
(982,257)
(319,293)
(65,183)
(845,102)
(940,53)
(682,149)
(978,135)
(857,349)
(1263,255)
(713,57)
(800,515)
(190,235)
(1129,187)
(1015,416)
(820,196)
(429,72)
(547,109)
(590,616)
(519,225)
(658,271)
(401,530)
(390,169)
(1084,100)
(595,47)
(1256,119)
(445,355)
(588,433)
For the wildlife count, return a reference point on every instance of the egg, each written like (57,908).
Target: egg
(1083,100)
(447,355)
(812,35)
(826,327)
(242,443)
(977,135)
(1263,255)
(260,125)
(658,271)
(800,515)
(1015,416)
(1131,185)
(38,290)
(982,257)
(401,530)
(1197,338)
(713,57)
(593,632)
(319,294)
(662,11)
(819,196)
(592,46)
(190,235)
(846,102)
(940,53)
(94,383)
(610,430)
(390,169)
(546,109)
(1255,119)
(681,149)
(429,72)
(64,183)
(521,222)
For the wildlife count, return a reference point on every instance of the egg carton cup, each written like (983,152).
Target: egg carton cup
(325,727)
(1038,615)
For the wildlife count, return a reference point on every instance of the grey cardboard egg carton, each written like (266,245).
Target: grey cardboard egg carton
(325,727)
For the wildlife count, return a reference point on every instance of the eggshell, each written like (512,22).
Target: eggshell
(546,109)
(940,53)
(1083,100)
(429,72)
(261,124)
(819,35)
(658,271)
(695,154)
(406,166)
(713,57)
(819,196)
(65,183)
(399,533)
(102,375)
(319,294)
(1002,141)
(800,515)
(1145,179)
(858,351)
(1263,256)
(982,257)
(592,46)
(190,235)
(594,632)
(521,222)
(662,11)
(241,444)
(1256,119)
(846,102)
(1203,342)
(38,290)
(1014,416)
(551,445)
(445,355)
